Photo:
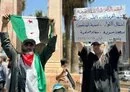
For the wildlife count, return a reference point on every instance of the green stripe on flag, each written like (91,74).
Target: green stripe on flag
(40,74)
(51,30)
(19,27)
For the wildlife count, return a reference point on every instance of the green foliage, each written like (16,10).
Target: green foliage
(23,5)
(69,5)
(38,13)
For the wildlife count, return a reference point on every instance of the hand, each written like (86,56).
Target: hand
(5,20)
(52,22)
(63,72)
(119,45)
(62,79)
(80,46)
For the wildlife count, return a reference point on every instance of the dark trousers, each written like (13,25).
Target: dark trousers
(2,83)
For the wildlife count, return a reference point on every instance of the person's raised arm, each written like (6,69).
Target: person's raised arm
(5,41)
(82,51)
(5,20)
(52,23)
(80,46)
(50,47)
(119,45)
(60,77)
(115,53)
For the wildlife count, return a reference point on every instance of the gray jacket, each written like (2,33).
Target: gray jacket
(13,55)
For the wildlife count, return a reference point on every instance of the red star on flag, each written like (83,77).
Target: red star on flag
(31,33)
(30,21)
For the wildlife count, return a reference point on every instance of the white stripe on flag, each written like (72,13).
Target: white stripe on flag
(31,26)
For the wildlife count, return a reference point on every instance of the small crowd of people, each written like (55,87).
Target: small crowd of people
(4,73)
(27,68)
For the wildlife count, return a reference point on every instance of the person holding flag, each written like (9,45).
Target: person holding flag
(27,67)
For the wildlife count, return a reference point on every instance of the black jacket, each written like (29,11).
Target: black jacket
(100,77)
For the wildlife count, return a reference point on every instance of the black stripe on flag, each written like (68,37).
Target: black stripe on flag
(43,24)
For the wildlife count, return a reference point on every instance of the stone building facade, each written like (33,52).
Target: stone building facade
(55,12)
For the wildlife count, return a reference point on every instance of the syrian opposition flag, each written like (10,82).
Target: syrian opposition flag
(31,27)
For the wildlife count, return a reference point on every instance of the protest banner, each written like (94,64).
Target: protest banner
(100,30)
(99,12)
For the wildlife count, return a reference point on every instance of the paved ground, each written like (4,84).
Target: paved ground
(125,86)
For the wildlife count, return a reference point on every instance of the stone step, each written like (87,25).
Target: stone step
(53,70)
(53,65)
